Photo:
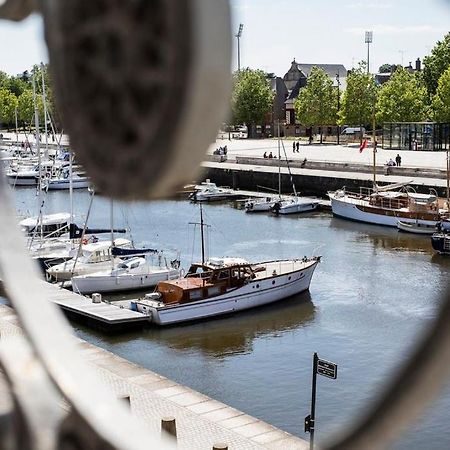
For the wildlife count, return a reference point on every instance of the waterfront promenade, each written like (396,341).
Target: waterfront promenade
(201,421)
(329,153)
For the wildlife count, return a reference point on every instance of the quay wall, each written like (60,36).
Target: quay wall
(316,182)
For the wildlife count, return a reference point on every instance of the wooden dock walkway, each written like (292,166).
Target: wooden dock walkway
(105,316)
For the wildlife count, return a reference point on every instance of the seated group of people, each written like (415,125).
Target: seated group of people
(220,151)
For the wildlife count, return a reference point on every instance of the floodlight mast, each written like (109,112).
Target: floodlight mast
(368,40)
(238,36)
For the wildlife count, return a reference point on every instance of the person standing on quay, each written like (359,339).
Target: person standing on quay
(398,160)
(298,146)
(293,147)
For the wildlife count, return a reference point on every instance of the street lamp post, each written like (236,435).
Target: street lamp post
(238,36)
(368,40)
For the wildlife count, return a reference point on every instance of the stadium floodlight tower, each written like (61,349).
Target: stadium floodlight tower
(368,40)
(238,36)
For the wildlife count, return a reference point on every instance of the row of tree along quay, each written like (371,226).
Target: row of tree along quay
(16,98)
(408,96)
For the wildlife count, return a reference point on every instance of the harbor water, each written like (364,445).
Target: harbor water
(371,297)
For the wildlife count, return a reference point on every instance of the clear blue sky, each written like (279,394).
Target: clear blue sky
(276,31)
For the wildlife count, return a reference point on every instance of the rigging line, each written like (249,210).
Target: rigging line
(82,235)
(288,167)
(193,244)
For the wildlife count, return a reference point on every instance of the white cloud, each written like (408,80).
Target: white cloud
(396,30)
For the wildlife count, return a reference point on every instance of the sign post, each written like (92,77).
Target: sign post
(326,369)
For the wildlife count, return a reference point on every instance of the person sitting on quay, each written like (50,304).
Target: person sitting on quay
(303,164)
(270,155)
(265,155)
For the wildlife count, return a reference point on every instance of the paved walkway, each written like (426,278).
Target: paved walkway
(329,153)
(201,421)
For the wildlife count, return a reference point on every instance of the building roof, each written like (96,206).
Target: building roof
(331,69)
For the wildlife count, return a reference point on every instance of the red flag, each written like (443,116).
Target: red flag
(363,145)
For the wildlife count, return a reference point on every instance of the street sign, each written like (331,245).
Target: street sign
(327,369)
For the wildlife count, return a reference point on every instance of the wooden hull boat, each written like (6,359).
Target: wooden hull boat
(386,208)
(227,288)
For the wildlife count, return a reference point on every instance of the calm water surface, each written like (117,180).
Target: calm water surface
(370,299)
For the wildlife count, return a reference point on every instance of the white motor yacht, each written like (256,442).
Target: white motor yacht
(93,258)
(134,273)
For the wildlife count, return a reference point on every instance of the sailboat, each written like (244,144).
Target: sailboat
(219,286)
(266,204)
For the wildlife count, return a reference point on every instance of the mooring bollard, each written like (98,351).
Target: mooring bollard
(169,427)
(220,446)
(96,297)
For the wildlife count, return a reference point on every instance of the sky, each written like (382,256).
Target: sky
(277,31)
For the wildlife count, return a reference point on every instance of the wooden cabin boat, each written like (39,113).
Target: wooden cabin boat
(384,206)
(224,286)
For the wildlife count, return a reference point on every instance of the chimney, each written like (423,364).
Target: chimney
(418,65)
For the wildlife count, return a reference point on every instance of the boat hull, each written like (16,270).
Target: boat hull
(22,180)
(412,227)
(256,293)
(441,243)
(65,184)
(364,213)
(297,208)
(124,282)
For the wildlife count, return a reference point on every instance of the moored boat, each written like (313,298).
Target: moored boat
(440,242)
(208,191)
(134,273)
(93,258)
(294,205)
(416,227)
(225,286)
(386,207)
(260,205)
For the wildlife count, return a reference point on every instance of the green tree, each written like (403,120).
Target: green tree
(388,68)
(358,100)
(26,107)
(8,104)
(441,100)
(402,99)
(316,104)
(436,64)
(251,99)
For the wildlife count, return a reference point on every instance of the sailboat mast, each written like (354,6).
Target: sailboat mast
(44,100)
(38,149)
(279,159)
(112,231)
(374,145)
(71,186)
(448,180)
(17,128)
(202,234)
